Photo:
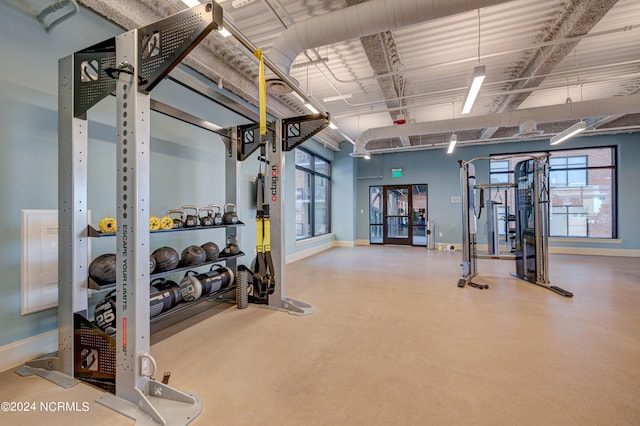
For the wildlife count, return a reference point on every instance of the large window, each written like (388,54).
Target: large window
(313,195)
(582,185)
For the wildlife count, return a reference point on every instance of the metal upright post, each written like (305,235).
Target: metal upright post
(468,240)
(134,364)
(276,195)
(73,249)
(232,188)
(541,212)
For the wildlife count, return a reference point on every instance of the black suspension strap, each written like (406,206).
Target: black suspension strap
(264,273)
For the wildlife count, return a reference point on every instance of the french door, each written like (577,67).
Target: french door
(397,214)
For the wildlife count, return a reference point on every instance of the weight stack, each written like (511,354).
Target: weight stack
(242,297)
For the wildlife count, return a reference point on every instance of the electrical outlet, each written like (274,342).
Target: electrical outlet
(361,211)
(440,234)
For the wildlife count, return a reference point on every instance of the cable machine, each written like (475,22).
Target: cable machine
(532,221)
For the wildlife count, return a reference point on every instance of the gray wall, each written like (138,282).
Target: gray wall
(442,173)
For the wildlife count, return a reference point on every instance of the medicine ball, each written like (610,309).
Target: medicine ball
(193,255)
(166,259)
(105,314)
(212,251)
(152,264)
(103,269)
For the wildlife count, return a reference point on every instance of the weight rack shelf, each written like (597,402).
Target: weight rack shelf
(94,285)
(94,233)
(182,306)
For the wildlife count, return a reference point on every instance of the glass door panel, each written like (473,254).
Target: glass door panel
(396,214)
(419,214)
(376,224)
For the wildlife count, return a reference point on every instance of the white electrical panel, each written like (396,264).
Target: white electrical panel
(39,265)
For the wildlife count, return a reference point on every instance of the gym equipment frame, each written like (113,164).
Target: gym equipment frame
(132,64)
(532,221)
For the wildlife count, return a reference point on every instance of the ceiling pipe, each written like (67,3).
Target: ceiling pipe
(292,83)
(374,16)
(562,112)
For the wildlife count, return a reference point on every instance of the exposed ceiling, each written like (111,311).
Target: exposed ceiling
(537,53)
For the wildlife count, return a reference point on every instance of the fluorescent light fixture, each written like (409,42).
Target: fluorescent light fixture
(337,98)
(224,32)
(311,108)
(478,78)
(452,143)
(579,127)
(332,125)
(191,3)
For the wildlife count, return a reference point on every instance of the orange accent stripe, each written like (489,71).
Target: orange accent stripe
(124,332)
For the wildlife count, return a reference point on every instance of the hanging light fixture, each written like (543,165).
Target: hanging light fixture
(579,127)
(452,143)
(477,79)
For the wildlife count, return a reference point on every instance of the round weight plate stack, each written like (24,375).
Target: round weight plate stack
(166,259)
(103,269)
(193,256)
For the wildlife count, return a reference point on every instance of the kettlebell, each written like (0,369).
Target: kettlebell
(208,219)
(230,217)
(217,214)
(232,246)
(191,220)
(178,223)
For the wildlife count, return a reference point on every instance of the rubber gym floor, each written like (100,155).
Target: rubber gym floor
(394,341)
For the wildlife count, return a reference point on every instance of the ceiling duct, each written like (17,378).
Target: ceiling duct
(553,113)
(528,128)
(374,16)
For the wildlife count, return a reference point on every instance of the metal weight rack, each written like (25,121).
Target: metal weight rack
(131,65)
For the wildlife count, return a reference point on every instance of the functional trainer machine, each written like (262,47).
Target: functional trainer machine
(532,221)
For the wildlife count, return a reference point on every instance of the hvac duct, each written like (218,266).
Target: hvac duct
(361,20)
(574,111)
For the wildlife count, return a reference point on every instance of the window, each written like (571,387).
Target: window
(582,185)
(313,195)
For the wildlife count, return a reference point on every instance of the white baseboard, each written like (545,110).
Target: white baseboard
(363,242)
(583,251)
(590,251)
(345,243)
(17,353)
(308,252)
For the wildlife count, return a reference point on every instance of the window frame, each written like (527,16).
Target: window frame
(567,168)
(312,173)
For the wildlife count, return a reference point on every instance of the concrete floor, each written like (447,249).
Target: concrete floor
(395,342)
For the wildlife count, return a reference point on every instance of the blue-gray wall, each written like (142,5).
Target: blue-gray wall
(442,173)
(187,163)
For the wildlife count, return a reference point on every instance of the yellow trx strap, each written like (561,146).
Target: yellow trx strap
(262,86)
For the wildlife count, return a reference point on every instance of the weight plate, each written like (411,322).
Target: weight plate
(154,223)
(107,225)
(166,223)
